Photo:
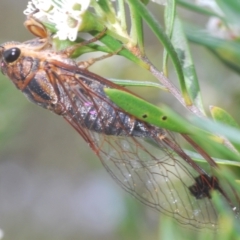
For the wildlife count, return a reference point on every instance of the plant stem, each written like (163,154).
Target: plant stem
(173,90)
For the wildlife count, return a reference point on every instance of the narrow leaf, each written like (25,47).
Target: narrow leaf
(136,83)
(169,16)
(231,9)
(228,51)
(231,133)
(163,38)
(181,46)
(222,116)
(158,116)
(164,117)
(193,7)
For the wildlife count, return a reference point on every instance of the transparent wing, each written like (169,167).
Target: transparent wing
(150,172)
(156,177)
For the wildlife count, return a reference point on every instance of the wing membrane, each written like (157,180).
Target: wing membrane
(150,172)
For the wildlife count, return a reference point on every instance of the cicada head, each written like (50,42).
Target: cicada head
(10,58)
(22,64)
(9,54)
(16,64)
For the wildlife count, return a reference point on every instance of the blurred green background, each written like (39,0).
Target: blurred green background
(51,185)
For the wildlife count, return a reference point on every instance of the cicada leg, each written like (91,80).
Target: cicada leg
(39,30)
(91,61)
(36,27)
(70,50)
(86,64)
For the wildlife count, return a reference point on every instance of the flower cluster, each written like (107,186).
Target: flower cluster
(66,15)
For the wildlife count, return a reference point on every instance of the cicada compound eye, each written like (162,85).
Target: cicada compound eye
(11,55)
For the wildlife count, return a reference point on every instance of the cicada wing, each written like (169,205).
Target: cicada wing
(156,178)
(154,175)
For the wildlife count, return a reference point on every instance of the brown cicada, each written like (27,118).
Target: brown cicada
(144,159)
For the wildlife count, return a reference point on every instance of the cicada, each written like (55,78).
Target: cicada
(144,159)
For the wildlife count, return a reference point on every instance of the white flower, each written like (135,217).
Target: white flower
(218,29)
(39,8)
(66,25)
(68,18)
(66,15)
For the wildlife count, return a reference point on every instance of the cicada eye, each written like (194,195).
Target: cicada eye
(12,54)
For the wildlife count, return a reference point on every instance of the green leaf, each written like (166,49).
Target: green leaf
(164,117)
(115,46)
(136,83)
(193,7)
(159,116)
(122,14)
(169,16)
(136,28)
(104,4)
(175,32)
(231,9)
(181,46)
(231,133)
(222,116)
(112,46)
(221,162)
(164,39)
(228,51)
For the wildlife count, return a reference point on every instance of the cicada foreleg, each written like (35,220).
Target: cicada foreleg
(36,27)
(39,30)
(86,64)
